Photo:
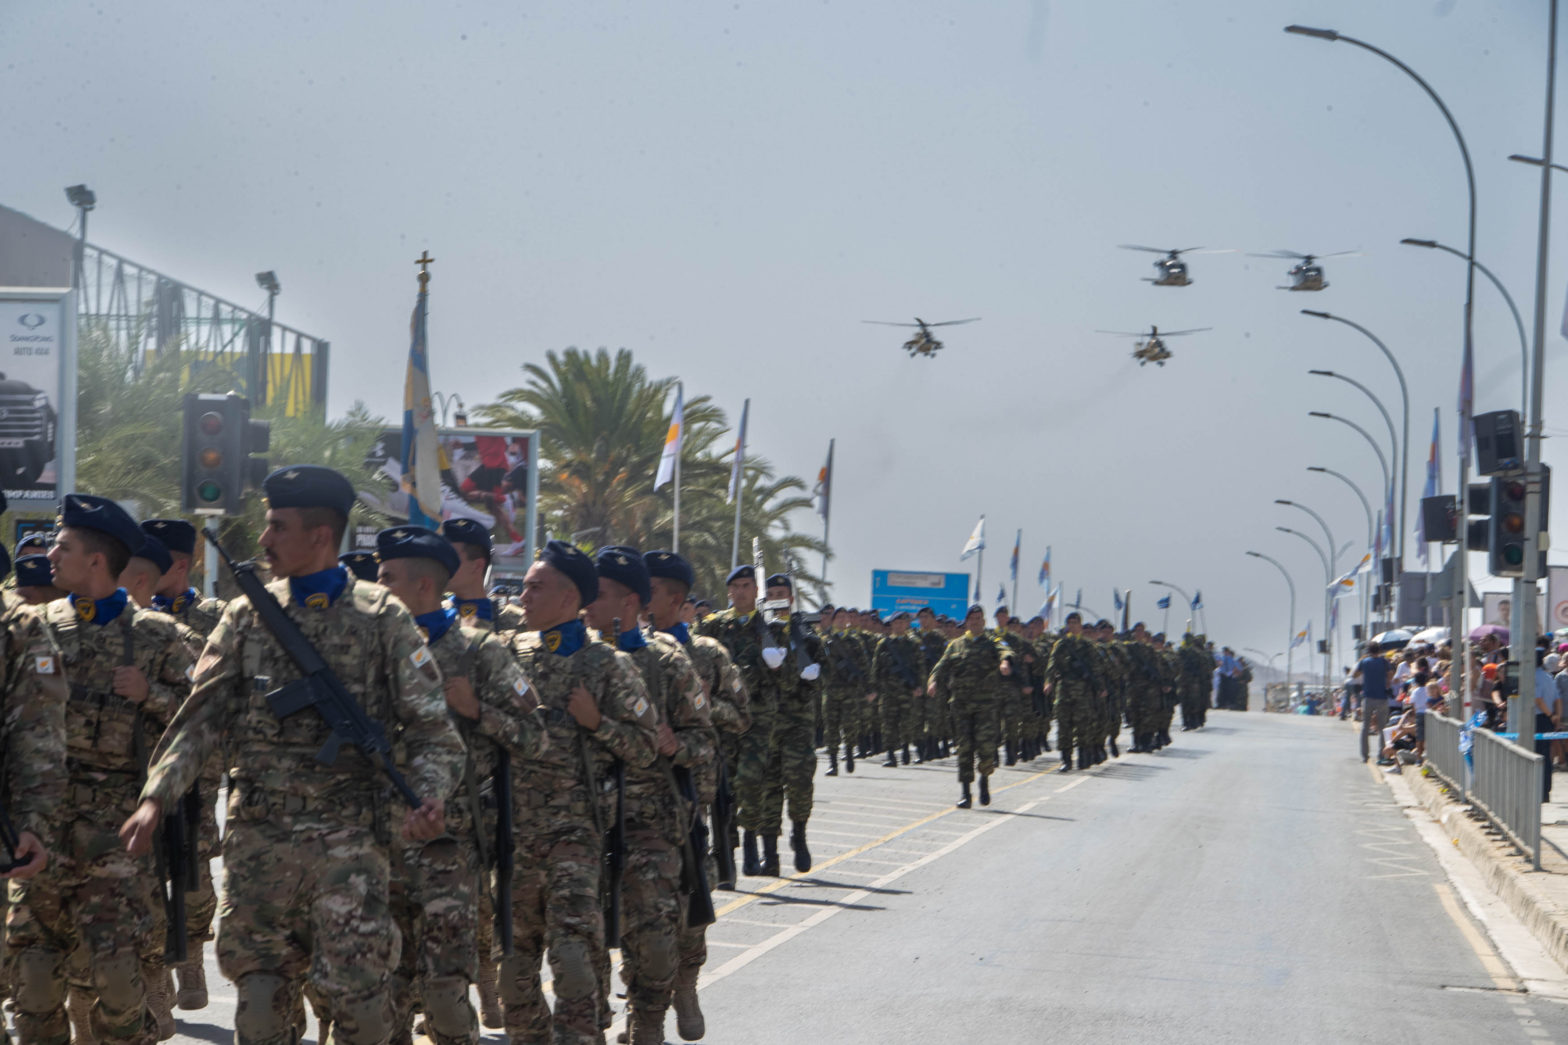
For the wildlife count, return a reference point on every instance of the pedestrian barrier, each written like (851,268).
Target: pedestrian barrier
(1506,786)
(1443,753)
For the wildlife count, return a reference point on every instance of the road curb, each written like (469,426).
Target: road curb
(1539,899)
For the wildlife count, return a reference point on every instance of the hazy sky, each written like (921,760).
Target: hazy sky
(728,189)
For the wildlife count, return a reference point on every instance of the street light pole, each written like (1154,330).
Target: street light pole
(1461,565)
(1366,603)
(1381,460)
(1393,438)
(1291,640)
(1185,597)
(1328,583)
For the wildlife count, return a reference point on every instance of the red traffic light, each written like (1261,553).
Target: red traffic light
(211,423)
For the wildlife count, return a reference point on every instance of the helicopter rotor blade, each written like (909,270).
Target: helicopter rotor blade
(1124,333)
(1179,333)
(887,323)
(1288,254)
(1151,250)
(954,322)
(1340,254)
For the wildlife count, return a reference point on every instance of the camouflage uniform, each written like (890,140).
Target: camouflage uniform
(95,894)
(1071,674)
(743,636)
(792,757)
(555,891)
(965,679)
(1143,694)
(436,884)
(927,714)
(504,617)
(843,693)
(1197,670)
(307,847)
(896,675)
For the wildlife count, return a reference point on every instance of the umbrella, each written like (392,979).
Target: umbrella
(1399,637)
(1433,635)
(1477,634)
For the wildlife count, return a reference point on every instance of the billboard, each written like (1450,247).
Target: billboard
(37,396)
(489,475)
(909,590)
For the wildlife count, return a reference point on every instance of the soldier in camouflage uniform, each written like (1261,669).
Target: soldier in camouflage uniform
(597,712)
(1072,685)
(658,810)
(175,596)
(965,678)
(1143,691)
(470,596)
(1170,676)
(1197,670)
(843,689)
(34,578)
(897,677)
(927,713)
(792,758)
(671,578)
(306,853)
(128,670)
(435,884)
(1117,678)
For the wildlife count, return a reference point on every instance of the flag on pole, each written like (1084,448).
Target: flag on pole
(1017,543)
(1304,635)
(1197,600)
(823,491)
(739,464)
(975,543)
(1116,596)
(1434,480)
(1348,581)
(1001,594)
(1164,603)
(421,453)
(1050,604)
(1045,570)
(672,440)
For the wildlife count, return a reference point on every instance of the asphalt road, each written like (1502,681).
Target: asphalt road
(1254,882)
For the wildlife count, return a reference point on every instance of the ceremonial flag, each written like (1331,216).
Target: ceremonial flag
(1001,594)
(672,440)
(976,543)
(1017,543)
(739,463)
(1304,635)
(421,453)
(1050,604)
(1197,600)
(1348,581)
(1116,596)
(1434,479)
(823,491)
(1164,603)
(1045,570)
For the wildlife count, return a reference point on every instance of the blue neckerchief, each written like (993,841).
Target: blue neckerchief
(100,611)
(477,609)
(681,632)
(627,641)
(176,604)
(565,639)
(319,590)
(436,623)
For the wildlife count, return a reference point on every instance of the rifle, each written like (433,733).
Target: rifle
(723,821)
(615,859)
(694,847)
(318,686)
(501,790)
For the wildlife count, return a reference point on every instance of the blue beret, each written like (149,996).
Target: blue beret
(36,543)
(155,552)
(361,564)
(32,571)
(308,486)
(85,511)
(177,535)
(466,531)
(570,560)
(780,580)
(624,565)
(741,573)
(670,566)
(976,608)
(416,542)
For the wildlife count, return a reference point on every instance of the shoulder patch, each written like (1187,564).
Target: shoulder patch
(701,701)
(44,665)
(638,707)
(420,656)
(520,687)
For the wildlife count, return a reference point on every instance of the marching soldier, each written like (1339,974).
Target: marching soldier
(175,596)
(362,565)
(436,883)
(145,570)
(306,854)
(470,597)
(844,689)
(1072,686)
(128,669)
(928,715)
(898,679)
(34,577)
(965,678)
(597,713)
(792,757)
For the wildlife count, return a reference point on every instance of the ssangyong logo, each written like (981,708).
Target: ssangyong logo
(32,320)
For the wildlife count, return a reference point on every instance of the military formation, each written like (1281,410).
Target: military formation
(428,790)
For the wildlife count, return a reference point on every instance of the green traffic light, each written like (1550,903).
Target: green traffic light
(1513,554)
(209,491)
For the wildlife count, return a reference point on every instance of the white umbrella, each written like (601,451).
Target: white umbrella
(1434,636)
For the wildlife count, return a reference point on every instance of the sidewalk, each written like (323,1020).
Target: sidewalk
(1539,899)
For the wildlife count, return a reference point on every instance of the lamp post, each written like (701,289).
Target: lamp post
(84,200)
(257,388)
(1393,438)
(1290,642)
(1381,460)
(1328,584)
(1524,341)
(1366,603)
(1185,597)
(1461,566)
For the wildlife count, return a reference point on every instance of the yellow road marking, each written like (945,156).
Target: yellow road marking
(1491,961)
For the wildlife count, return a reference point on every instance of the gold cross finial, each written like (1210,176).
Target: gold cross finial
(424,261)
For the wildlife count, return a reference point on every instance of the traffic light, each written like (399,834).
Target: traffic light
(215,467)
(1478,502)
(1506,532)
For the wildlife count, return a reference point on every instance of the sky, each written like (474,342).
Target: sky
(729,189)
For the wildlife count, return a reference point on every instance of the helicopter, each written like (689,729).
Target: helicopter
(1304,275)
(922,344)
(1151,346)
(1172,270)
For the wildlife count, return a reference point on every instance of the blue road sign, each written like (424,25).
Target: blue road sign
(909,590)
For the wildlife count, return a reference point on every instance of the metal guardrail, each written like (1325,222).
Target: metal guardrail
(1442,752)
(1506,786)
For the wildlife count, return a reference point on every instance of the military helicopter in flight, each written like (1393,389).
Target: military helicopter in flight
(923,343)
(1172,270)
(1151,345)
(1304,275)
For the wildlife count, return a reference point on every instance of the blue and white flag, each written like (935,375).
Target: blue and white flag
(1017,544)
(975,543)
(421,452)
(1117,597)
(1197,600)
(1164,603)
(1001,595)
(1045,570)
(1434,480)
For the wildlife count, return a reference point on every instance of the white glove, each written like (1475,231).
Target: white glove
(810,672)
(772,656)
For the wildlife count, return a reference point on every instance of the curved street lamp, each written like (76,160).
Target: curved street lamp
(1290,642)
(1185,597)
(1328,598)
(1393,437)
(1381,460)
(1342,477)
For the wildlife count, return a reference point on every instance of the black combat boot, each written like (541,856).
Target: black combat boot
(1045,744)
(770,856)
(1067,762)
(797,843)
(750,865)
(892,758)
(985,789)
(964,801)
(920,751)
(1012,754)
(1165,737)
(906,754)
(832,762)
(1115,751)
(849,759)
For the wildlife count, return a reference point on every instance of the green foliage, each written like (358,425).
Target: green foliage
(602,422)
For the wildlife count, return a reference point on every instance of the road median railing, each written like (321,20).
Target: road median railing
(1443,754)
(1500,779)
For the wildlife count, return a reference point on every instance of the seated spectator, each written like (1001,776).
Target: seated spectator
(1401,736)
